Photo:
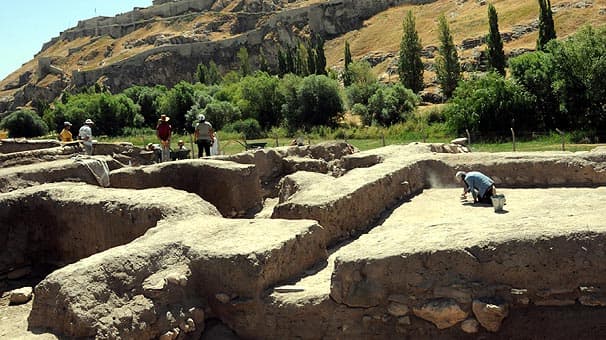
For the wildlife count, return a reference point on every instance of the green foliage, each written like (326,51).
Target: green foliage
(213,76)
(24,123)
(448,68)
(391,104)
(176,102)
(258,97)
(320,62)
(362,111)
(410,66)
(220,113)
(111,113)
(201,74)
(546,25)
(496,55)
(535,71)
(315,100)
(489,105)
(249,128)
(243,62)
(147,99)
(346,76)
(580,77)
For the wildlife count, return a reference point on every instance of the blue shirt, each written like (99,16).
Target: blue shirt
(477,181)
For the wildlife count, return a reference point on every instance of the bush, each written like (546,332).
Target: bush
(391,104)
(488,105)
(249,128)
(24,123)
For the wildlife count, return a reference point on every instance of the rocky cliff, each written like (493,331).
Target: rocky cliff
(164,43)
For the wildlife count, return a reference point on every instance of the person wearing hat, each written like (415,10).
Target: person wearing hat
(157,149)
(204,135)
(86,135)
(66,134)
(481,186)
(182,151)
(164,132)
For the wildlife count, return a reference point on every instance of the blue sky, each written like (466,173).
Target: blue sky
(25,25)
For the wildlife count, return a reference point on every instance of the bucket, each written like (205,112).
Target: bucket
(498,201)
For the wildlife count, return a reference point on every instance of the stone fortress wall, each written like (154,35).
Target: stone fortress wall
(329,18)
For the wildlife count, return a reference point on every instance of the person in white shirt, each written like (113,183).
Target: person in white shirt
(86,136)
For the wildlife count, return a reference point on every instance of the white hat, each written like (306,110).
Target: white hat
(66,123)
(201,118)
(89,121)
(459,175)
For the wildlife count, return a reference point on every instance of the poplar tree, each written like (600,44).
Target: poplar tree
(243,61)
(496,56)
(348,60)
(447,63)
(546,25)
(410,66)
(320,57)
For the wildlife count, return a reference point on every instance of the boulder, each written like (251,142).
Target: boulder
(443,313)
(490,315)
(21,295)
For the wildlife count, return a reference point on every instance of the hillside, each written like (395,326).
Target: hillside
(164,43)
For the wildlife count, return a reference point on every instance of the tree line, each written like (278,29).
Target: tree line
(561,85)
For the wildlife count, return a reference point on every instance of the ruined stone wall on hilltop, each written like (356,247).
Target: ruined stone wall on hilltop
(169,64)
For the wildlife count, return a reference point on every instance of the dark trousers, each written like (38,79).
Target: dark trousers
(203,146)
(487,195)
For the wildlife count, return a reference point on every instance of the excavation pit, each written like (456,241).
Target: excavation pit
(407,258)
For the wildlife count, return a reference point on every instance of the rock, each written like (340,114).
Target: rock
(289,289)
(170,335)
(222,297)
(397,309)
(197,314)
(21,295)
(490,315)
(470,326)
(443,313)
(520,296)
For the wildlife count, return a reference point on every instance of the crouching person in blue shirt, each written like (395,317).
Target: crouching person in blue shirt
(479,185)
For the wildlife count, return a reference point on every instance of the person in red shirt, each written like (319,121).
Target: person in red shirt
(164,132)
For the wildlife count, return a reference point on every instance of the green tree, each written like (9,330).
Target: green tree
(147,99)
(320,62)
(391,104)
(311,102)
(488,105)
(546,26)
(410,66)
(243,62)
(580,77)
(347,58)
(176,102)
(24,123)
(496,55)
(201,74)
(448,68)
(258,97)
(535,71)
(214,76)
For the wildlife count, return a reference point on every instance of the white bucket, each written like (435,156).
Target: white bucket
(498,201)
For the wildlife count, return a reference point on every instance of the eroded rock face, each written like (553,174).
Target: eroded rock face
(443,313)
(490,315)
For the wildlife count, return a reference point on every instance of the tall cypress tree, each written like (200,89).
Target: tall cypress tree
(243,61)
(546,25)
(496,55)
(348,60)
(201,74)
(447,63)
(321,58)
(410,66)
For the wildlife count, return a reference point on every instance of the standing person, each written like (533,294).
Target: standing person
(86,135)
(204,135)
(164,132)
(481,186)
(66,134)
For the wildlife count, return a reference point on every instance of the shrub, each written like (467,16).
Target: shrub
(24,123)
(489,104)
(249,128)
(391,104)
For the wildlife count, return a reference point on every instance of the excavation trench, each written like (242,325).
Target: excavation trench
(431,267)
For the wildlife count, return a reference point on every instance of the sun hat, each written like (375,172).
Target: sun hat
(164,118)
(201,118)
(89,121)
(66,123)
(459,175)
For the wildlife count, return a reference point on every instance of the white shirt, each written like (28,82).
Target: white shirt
(86,134)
